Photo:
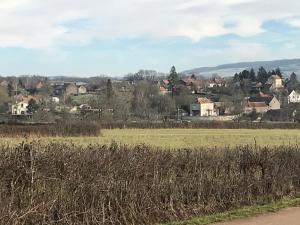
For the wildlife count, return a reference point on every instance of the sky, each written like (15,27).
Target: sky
(115,37)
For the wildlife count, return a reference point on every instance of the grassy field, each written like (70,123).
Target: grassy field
(184,138)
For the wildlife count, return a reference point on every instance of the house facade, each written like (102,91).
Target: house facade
(20,109)
(294,97)
(71,89)
(4,84)
(39,85)
(194,85)
(276,82)
(206,107)
(82,90)
(55,100)
(261,104)
(163,90)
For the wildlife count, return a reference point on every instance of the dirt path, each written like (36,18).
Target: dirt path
(289,216)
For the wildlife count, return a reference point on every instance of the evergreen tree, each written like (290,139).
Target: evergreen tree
(273,72)
(245,74)
(236,77)
(10,89)
(20,84)
(262,75)
(173,80)
(292,83)
(173,77)
(252,75)
(278,72)
(293,77)
(109,90)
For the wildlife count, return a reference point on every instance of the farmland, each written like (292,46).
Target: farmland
(181,138)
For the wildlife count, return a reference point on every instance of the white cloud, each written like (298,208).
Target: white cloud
(294,22)
(42,24)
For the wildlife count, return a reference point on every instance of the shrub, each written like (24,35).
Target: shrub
(59,129)
(67,184)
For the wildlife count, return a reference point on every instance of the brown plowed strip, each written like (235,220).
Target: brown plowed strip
(290,216)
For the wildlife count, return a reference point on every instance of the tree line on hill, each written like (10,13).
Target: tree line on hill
(261,76)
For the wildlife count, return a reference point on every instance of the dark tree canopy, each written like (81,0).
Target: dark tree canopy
(252,75)
(278,72)
(293,77)
(109,89)
(173,80)
(262,75)
(32,106)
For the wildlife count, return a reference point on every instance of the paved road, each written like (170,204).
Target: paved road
(289,216)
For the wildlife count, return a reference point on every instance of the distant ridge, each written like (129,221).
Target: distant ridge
(286,65)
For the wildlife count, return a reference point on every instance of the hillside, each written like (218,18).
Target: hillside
(287,66)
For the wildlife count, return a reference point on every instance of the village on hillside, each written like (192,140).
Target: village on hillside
(147,95)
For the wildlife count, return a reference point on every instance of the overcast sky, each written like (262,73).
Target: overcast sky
(114,37)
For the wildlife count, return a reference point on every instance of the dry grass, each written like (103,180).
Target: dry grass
(181,138)
(191,138)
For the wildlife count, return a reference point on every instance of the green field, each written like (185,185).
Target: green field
(184,138)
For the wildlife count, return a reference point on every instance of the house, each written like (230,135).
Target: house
(163,90)
(262,104)
(28,98)
(259,107)
(217,82)
(19,109)
(82,90)
(224,108)
(71,89)
(55,99)
(164,86)
(294,97)
(4,84)
(58,88)
(39,85)
(203,107)
(165,83)
(82,87)
(194,85)
(276,82)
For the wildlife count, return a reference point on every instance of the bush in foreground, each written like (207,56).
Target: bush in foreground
(67,184)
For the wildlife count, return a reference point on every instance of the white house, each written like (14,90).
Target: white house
(294,97)
(55,99)
(19,109)
(276,82)
(81,87)
(207,107)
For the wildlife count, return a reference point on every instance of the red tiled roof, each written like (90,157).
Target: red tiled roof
(257,105)
(28,98)
(166,82)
